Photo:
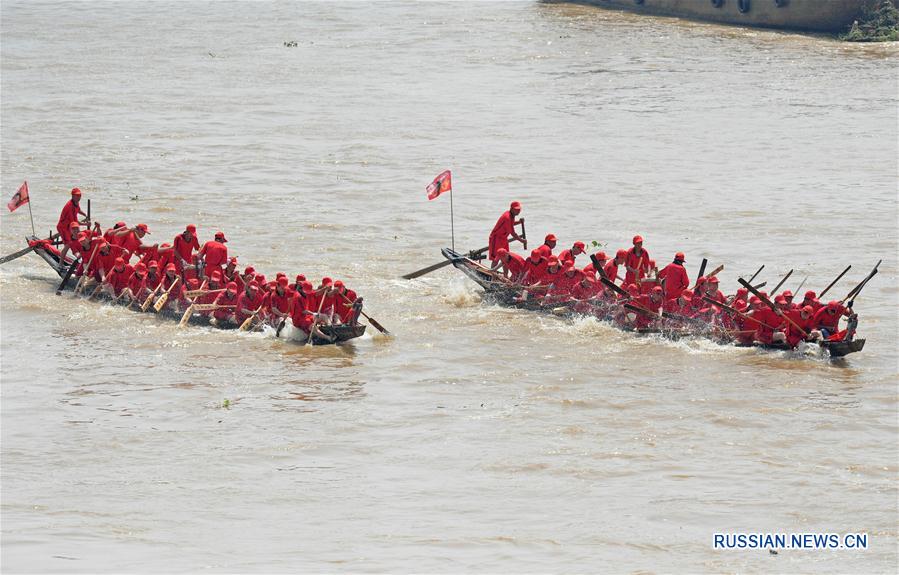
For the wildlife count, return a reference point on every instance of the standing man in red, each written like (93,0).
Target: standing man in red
(674,277)
(185,243)
(214,255)
(637,262)
(69,214)
(505,227)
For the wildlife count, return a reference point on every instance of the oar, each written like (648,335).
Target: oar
(371,320)
(802,283)
(281,325)
(772,305)
(827,289)
(246,323)
(760,286)
(429,269)
(704,263)
(24,251)
(855,291)
(315,323)
(160,303)
(200,292)
(68,274)
(149,299)
(777,287)
(755,275)
(85,272)
(715,271)
(735,311)
(524,235)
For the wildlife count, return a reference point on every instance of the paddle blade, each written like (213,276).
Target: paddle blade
(186,316)
(377,325)
(157,307)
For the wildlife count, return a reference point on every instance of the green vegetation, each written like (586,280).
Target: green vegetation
(878,22)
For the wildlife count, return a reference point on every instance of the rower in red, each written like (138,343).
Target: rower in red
(280,301)
(636,262)
(568,256)
(548,245)
(214,254)
(512,266)
(130,240)
(345,298)
(811,299)
(827,320)
(185,244)
(612,266)
(249,301)
(674,277)
(535,268)
(226,303)
(505,227)
(68,216)
(117,278)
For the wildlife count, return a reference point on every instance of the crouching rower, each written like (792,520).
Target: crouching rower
(225,312)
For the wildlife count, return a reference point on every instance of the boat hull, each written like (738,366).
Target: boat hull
(807,15)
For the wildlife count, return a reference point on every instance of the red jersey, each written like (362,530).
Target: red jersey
(534,270)
(766,316)
(68,215)
(215,255)
(119,279)
(280,303)
(499,236)
(634,260)
(247,305)
(137,285)
(516,266)
(675,280)
(184,250)
(611,270)
(830,321)
(226,299)
(301,315)
(344,308)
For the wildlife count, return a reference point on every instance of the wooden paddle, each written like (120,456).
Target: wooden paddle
(855,291)
(777,287)
(429,269)
(772,305)
(160,303)
(200,292)
(371,320)
(190,309)
(84,274)
(149,299)
(755,275)
(715,271)
(704,263)
(246,323)
(614,287)
(315,323)
(68,274)
(827,289)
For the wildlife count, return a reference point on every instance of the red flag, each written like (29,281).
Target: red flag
(442,183)
(20,198)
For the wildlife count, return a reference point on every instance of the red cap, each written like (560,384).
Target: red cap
(701,280)
(232,262)
(638,239)
(307,288)
(231,287)
(82,236)
(633,289)
(754,301)
(249,270)
(601,256)
(143,228)
(741,293)
(779,300)
(502,252)
(536,253)
(191,228)
(713,280)
(680,256)
(833,303)
(102,244)
(140,267)
(300,278)
(580,245)
(326,281)
(283,281)
(621,253)
(808,309)
(260,279)
(810,294)
(153,264)
(550,238)
(515,206)
(338,284)
(567,268)
(171,268)
(73,225)
(193,283)
(118,225)
(787,294)
(688,293)
(657,290)
(553,261)
(589,269)
(76,192)
(220,236)
(119,262)
(215,276)
(253,287)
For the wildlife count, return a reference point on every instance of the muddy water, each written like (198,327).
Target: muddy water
(479,438)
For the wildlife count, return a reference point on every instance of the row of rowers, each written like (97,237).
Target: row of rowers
(196,275)
(556,279)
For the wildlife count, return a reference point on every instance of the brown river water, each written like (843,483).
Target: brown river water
(477,439)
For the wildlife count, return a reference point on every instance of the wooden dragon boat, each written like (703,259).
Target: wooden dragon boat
(501,293)
(339,333)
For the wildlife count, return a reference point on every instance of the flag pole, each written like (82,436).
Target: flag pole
(452,221)
(31,216)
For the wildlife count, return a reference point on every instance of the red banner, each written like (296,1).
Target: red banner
(20,198)
(442,183)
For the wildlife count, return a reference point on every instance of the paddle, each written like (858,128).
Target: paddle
(85,274)
(755,275)
(715,271)
(68,274)
(160,303)
(704,263)
(827,289)
(149,299)
(24,251)
(777,287)
(802,283)
(855,291)
(317,319)
(246,323)
(524,236)
(429,269)
(772,305)
(199,292)
(735,310)
(371,320)
(190,309)
(616,288)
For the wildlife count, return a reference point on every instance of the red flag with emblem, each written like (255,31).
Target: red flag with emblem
(442,183)
(20,198)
